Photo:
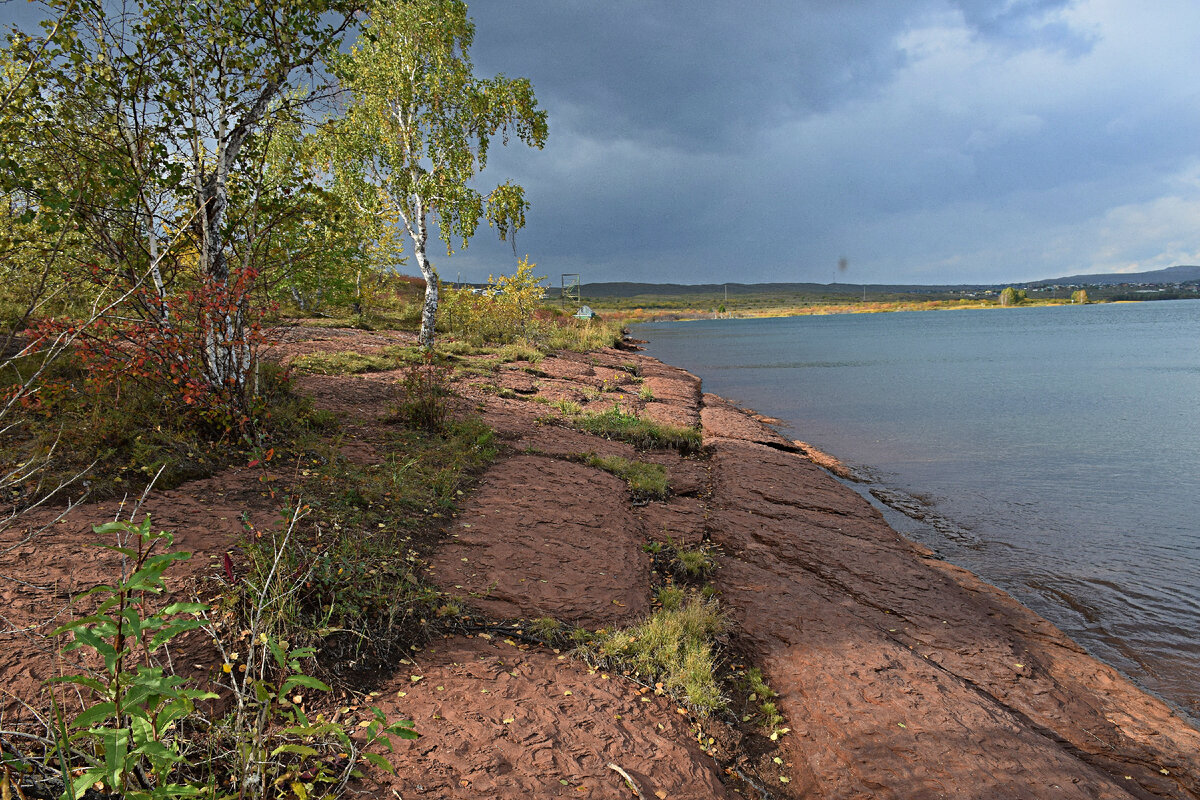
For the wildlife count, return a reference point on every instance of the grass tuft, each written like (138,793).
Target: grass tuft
(674,646)
(641,433)
(646,481)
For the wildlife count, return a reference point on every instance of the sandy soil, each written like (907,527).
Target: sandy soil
(899,675)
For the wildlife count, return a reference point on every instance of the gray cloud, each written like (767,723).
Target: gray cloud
(926,141)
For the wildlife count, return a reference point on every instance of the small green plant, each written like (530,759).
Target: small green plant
(760,692)
(127,733)
(757,684)
(674,646)
(641,433)
(136,737)
(645,393)
(646,481)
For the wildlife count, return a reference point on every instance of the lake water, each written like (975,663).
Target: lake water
(1055,452)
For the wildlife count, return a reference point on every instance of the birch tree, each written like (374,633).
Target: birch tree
(153,121)
(418,125)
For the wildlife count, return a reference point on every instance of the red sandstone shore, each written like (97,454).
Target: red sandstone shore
(900,676)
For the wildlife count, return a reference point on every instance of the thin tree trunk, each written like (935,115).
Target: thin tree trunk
(429,308)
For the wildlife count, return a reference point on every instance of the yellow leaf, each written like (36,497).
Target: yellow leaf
(508,720)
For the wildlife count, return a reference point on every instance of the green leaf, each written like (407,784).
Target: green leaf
(171,631)
(306,681)
(186,608)
(101,712)
(81,680)
(403,728)
(380,762)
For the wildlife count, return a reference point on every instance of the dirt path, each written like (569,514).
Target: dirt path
(899,675)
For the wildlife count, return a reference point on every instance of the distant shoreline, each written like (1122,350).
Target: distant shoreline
(651,314)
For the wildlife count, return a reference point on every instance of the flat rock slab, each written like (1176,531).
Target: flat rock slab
(498,720)
(904,677)
(724,420)
(543,537)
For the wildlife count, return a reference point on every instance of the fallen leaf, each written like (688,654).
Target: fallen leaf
(508,720)
(661,795)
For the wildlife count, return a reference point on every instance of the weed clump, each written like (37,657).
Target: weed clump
(423,396)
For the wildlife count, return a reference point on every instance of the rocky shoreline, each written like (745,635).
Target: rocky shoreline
(899,675)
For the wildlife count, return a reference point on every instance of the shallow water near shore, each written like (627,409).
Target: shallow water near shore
(1054,451)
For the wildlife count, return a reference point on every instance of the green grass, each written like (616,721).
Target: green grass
(641,433)
(674,646)
(646,480)
(367,531)
(520,352)
(346,362)
(582,336)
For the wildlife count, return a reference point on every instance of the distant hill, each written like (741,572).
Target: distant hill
(1170,275)
(626,289)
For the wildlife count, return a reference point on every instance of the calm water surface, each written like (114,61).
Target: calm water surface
(1053,451)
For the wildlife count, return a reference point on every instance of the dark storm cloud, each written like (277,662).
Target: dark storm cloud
(931,141)
(702,75)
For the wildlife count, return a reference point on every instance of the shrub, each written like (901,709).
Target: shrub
(423,395)
(501,313)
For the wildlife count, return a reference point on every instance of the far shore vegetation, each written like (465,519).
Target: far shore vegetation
(773,300)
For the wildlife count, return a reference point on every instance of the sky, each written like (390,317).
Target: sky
(923,141)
